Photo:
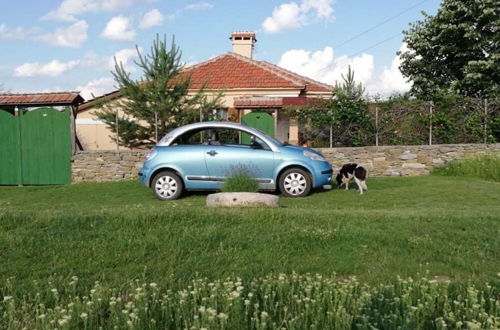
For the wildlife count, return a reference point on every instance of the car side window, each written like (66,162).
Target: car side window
(219,136)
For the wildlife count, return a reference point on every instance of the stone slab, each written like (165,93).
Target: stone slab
(242,199)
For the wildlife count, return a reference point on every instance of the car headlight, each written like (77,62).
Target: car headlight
(151,154)
(313,155)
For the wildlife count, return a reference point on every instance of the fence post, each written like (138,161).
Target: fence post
(430,122)
(331,136)
(156,126)
(485,121)
(376,126)
(117,135)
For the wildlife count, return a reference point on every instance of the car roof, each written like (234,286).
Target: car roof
(173,134)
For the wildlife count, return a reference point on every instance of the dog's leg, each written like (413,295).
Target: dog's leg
(365,187)
(360,185)
(346,183)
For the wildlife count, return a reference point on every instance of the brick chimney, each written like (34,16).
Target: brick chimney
(243,42)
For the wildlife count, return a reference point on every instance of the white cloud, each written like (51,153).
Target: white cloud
(391,80)
(72,36)
(324,66)
(286,16)
(292,15)
(118,28)
(199,6)
(96,87)
(7,33)
(52,69)
(151,18)
(68,9)
(126,57)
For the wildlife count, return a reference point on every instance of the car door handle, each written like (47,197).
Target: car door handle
(212,153)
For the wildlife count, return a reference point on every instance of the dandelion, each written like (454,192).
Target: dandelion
(84,316)
(42,316)
(247,302)
(7,298)
(152,285)
(264,315)
(54,291)
(202,309)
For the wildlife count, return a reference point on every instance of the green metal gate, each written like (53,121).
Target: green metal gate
(35,147)
(260,120)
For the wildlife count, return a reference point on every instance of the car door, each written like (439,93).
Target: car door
(223,159)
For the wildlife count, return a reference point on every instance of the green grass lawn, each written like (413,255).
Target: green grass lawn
(114,232)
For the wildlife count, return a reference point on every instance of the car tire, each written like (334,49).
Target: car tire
(295,182)
(167,185)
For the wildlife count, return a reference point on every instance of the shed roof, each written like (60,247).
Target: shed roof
(40,99)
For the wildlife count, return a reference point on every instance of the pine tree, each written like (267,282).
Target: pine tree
(160,101)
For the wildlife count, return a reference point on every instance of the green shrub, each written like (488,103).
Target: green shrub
(484,167)
(240,181)
(278,301)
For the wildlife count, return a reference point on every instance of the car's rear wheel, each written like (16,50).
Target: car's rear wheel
(295,182)
(167,185)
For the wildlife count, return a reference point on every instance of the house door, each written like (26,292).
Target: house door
(259,120)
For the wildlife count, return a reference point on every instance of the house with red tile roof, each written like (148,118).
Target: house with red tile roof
(249,87)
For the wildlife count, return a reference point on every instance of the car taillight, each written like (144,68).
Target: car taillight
(150,155)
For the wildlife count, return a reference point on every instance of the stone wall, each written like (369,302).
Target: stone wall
(379,161)
(406,160)
(107,165)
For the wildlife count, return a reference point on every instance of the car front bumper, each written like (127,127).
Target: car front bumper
(322,173)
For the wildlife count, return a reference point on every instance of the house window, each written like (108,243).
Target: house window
(220,114)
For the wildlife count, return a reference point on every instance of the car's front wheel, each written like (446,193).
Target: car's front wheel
(167,186)
(295,182)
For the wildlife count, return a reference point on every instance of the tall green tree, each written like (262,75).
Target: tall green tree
(344,119)
(348,111)
(159,101)
(455,51)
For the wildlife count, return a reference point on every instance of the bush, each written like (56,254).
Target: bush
(240,181)
(280,301)
(484,167)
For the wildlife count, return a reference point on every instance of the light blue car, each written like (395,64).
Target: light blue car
(201,156)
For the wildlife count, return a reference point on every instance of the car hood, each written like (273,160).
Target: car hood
(300,149)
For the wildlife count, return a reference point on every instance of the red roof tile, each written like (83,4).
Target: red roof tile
(234,71)
(40,98)
(272,102)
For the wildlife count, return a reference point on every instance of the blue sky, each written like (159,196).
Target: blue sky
(68,44)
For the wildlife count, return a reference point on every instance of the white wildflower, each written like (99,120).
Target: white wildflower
(222,316)
(62,322)
(84,316)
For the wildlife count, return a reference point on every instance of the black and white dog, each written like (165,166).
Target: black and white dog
(352,171)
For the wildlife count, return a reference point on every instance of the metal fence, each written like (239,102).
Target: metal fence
(412,123)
